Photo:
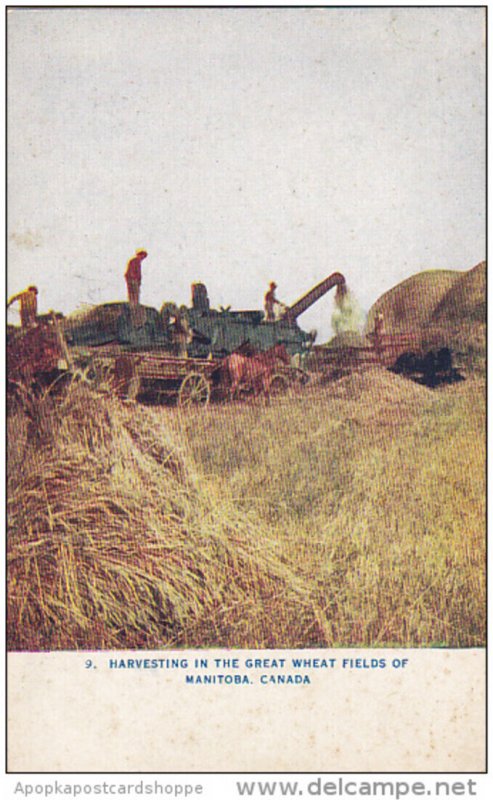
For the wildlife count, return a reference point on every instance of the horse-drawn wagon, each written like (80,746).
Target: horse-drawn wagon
(162,376)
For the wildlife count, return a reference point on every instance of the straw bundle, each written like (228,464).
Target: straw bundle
(114,543)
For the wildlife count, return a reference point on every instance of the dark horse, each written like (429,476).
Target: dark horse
(254,371)
(431,370)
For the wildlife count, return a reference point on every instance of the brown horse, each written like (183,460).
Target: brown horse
(254,371)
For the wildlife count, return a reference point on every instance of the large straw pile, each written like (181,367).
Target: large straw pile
(459,319)
(465,300)
(114,543)
(409,305)
(440,308)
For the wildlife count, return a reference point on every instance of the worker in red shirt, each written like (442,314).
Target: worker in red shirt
(133,276)
(28,302)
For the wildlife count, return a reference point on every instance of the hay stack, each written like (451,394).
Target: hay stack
(410,305)
(114,543)
(440,308)
(459,319)
(465,300)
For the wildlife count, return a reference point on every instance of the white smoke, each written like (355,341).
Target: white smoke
(348,314)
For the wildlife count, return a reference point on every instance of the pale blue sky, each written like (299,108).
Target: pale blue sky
(240,146)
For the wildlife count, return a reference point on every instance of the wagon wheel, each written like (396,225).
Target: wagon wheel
(194,390)
(278,385)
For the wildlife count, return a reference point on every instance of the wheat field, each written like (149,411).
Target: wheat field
(351,514)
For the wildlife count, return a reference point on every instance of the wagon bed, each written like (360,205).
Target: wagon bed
(141,372)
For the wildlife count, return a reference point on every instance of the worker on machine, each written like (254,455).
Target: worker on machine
(28,301)
(270,300)
(181,333)
(133,276)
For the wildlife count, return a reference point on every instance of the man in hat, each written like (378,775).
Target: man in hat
(28,301)
(270,300)
(133,276)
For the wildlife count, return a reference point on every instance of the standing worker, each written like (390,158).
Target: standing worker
(270,300)
(182,335)
(379,325)
(28,300)
(378,333)
(133,276)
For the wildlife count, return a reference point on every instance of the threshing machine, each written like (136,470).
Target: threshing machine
(212,333)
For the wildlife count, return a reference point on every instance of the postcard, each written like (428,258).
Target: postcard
(246,390)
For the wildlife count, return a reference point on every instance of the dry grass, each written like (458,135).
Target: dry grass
(374,491)
(111,544)
(348,515)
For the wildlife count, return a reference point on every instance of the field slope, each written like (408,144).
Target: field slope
(346,515)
